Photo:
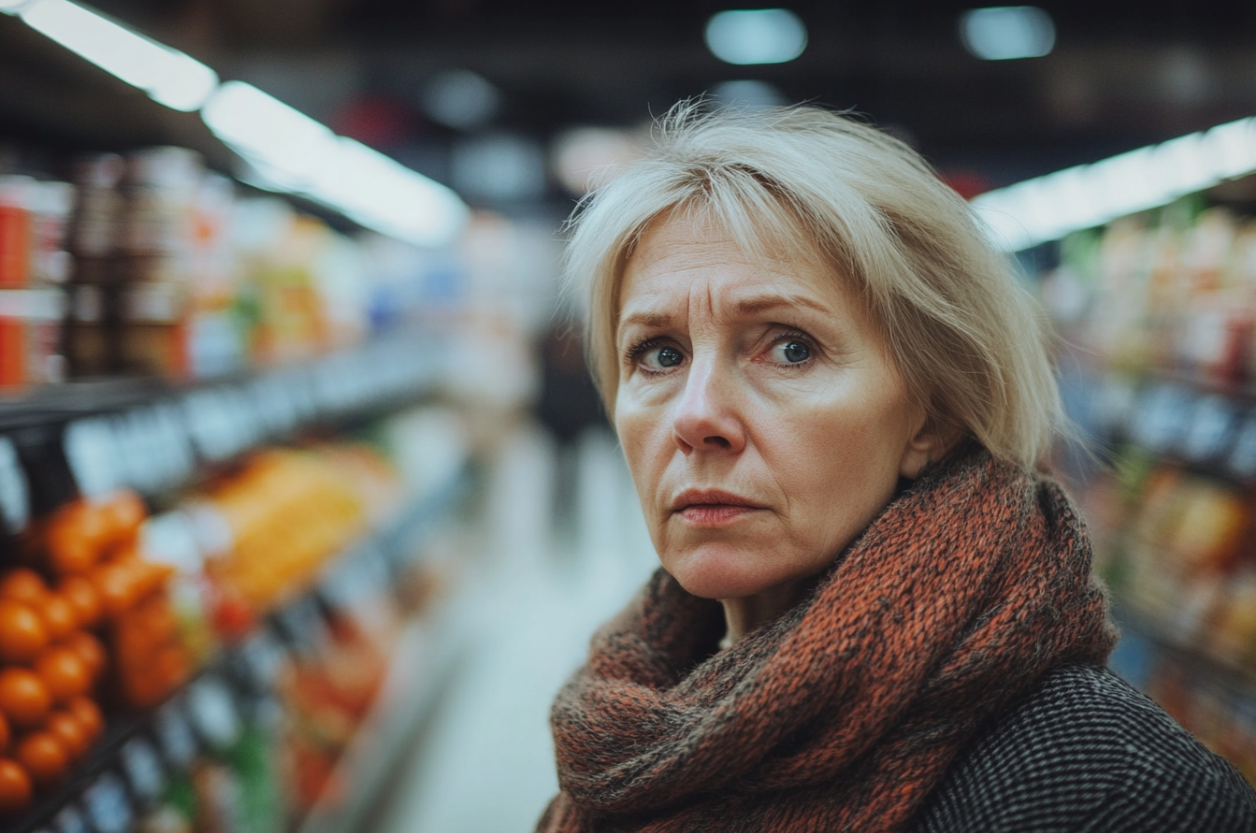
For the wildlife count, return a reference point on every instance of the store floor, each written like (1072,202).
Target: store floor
(560,546)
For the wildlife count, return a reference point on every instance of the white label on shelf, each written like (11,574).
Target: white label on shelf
(170,539)
(1210,427)
(1161,417)
(143,768)
(174,734)
(1243,456)
(107,805)
(263,657)
(92,452)
(15,500)
(212,710)
(69,820)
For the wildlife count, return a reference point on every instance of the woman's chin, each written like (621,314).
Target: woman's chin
(721,571)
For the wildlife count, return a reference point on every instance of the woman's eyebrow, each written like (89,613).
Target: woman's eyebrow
(752,306)
(649,320)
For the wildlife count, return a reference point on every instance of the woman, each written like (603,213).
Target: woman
(874,613)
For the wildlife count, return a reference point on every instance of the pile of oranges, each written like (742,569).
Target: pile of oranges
(85,618)
(50,667)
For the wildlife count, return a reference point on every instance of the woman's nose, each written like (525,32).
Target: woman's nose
(706,416)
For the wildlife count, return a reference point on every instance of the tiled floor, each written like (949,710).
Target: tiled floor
(533,596)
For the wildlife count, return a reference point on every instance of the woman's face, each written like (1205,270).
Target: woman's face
(763,421)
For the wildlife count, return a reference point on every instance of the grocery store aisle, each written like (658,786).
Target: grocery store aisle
(532,597)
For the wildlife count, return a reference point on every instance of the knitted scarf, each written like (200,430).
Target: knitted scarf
(843,713)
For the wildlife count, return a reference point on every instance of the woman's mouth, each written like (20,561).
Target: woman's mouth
(711,508)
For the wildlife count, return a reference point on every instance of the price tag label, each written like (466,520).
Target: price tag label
(1243,456)
(213,711)
(171,539)
(260,659)
(174,734)
(70,819)
(92,452)
(15,499)
(1210,428)
(106,805)
(1162,417)
(174,446)
(143,769)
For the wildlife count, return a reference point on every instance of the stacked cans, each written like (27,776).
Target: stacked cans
(34,267)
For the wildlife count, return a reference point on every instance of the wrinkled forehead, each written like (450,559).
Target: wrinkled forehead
(772,242)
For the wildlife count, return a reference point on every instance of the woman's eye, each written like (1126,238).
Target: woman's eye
(662,357)
(665,357)
(792,352)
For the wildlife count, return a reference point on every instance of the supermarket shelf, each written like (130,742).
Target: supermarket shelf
(126,766)
(1235,677)
(93,437)
(418,666)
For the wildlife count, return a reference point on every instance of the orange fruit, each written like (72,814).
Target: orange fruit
(89,650)
(59,617)
(117,586)
(5,735)
(69,552)
(43,757)
(84,598)
(125,511)
(64,673)
(15,788)
(66,728)
(88,715)
(23,584)
(23,633)
(24,699)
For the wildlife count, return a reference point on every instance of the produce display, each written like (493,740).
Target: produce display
(206,667)
(1160,313)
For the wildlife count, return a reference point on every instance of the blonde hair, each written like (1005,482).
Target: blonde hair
(969,342)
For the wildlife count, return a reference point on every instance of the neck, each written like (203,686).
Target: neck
(744,614)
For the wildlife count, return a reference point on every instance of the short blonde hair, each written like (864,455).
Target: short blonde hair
(969,342)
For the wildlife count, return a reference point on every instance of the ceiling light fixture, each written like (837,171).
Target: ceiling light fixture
(1049,207)
(170,77)
(285,150)
(1005,33)
(289,151)
(756,36)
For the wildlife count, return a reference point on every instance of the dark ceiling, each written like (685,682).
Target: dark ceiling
(1123,73)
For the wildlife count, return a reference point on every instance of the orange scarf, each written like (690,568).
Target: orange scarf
(842,714)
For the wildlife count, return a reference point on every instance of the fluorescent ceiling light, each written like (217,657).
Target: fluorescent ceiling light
(756,36)
(269,133)
(167,75)
(289,151)
(1006,33)
(1049,207)
(285,149)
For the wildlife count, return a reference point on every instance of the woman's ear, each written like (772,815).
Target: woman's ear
(934,437)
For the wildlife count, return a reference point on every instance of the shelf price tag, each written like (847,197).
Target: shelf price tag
(213,711)
(15,499)
(1161,418)
(93,453)
(1242,460)
(174,734)
(143,769)
(69,820)
(1211,426)
(107,806)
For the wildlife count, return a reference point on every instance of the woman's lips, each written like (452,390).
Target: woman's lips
(712,508)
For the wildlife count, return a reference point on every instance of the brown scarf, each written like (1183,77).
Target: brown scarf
(845,712)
